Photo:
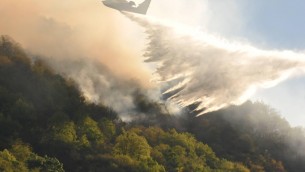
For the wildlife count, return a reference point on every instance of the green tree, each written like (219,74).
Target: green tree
(108,128)
(21,151)
(88,128)
(133,145)
(176,157)
(21,158)
(64,132)
(45,164)
(150,165)
(9,163)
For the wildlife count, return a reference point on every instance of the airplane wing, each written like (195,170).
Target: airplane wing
(124,5)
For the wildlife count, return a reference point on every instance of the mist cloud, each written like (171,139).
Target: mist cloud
(195,66)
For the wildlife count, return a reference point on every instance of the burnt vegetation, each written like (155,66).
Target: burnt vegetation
(47,125)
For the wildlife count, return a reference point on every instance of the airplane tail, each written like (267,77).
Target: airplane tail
(142,8)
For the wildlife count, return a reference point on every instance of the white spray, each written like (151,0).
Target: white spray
(199,67)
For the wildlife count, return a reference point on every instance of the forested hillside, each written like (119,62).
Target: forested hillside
(47,125)
(252,133)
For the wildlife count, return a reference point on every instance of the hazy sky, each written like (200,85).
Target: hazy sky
(278,24)
(65,29)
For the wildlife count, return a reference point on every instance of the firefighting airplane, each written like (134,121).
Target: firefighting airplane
(130,6)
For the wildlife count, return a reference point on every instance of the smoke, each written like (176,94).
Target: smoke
(74,30)
(198,67)
(102,52)
(94,45)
